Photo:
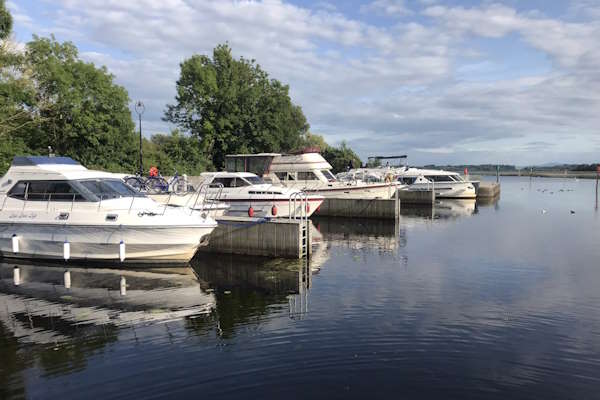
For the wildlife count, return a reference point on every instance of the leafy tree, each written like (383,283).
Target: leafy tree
(341,158)
(232,106)
(52,98)
(174,152)
(83,114)
(6,21)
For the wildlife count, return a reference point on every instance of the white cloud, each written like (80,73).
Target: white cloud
(384,89)
(391,8)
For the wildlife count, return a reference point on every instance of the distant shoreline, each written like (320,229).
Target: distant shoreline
(541,174)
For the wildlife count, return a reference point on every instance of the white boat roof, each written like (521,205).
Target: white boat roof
(254,155)
(225,174)
(50,168)
(299,162)
(419,171)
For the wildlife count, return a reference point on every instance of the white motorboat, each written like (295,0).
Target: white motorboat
(198,201)
(309,172)
(54,208)
(446,184)
(248,194)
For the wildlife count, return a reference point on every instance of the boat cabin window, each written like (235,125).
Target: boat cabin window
(226,182)
(286,176)
(407,180)
(330,177)
(240,182)
(18,191)
(104,189)
(255,180)
(307,176)
(46,190)
(440,178)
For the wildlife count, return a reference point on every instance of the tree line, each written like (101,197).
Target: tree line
(52,100)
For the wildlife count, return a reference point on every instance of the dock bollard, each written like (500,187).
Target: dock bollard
(66,250)
(16,276)
(123,286)
(67,279)
(15,244)
(122,251)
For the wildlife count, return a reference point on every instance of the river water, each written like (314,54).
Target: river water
(467,300)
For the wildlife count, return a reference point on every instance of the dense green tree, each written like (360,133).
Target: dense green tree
(341,158)
(5,21)
(174,153)
(232,106)
(52,98)
(83,113)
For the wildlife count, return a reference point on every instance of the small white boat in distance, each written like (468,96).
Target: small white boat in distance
(247,194)
(308,172)
(446,184)
(54,208)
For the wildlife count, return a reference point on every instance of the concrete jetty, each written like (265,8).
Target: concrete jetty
(276,237)
(488,190)
(363,208)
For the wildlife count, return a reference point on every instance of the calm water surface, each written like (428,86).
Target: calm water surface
(463,301)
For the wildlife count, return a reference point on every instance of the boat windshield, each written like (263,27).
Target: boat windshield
(254,180)
(104,189)
(330,177)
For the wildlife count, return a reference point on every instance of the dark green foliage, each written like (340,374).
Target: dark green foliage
(6,21)
(55,99)
(232,106)
(174,152)
(341,158)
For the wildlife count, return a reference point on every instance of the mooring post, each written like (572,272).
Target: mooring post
(67,279)
(16,276)
(497,173)
(597,175)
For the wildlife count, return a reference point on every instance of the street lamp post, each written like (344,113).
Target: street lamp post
(139,109)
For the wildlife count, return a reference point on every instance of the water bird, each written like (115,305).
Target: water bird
(544,211)
(572,211)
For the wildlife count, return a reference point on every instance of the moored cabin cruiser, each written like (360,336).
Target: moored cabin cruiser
(248,194)
(446,184)
(54,208)
(309,172)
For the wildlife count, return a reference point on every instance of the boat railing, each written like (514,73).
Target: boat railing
(69,201)
(206,194)
(298,199)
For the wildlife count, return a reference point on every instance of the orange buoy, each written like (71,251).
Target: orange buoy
(250,211)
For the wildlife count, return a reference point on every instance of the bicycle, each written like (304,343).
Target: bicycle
(156,184)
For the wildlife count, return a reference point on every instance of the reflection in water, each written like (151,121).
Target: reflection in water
(249,289)
(481,302)
(56,328)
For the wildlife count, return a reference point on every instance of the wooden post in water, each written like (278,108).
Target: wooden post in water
(597,175)
(497,173)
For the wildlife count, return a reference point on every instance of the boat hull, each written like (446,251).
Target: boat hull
(143,245)
(447,190)
(264,208)
(383,191)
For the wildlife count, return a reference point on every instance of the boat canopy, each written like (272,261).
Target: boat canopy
(258,164)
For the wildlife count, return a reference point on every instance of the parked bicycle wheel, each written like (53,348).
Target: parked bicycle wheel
(157,184)
(136,182)
(179,186)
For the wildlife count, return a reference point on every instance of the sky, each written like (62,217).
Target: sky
(446,82)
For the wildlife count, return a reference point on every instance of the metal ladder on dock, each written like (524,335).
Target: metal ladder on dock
(295,200)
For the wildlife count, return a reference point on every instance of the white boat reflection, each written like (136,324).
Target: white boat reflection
(40,309)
